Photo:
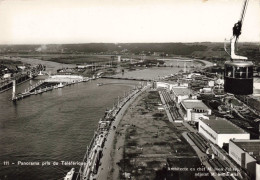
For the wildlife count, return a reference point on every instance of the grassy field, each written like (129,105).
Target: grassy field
(76,59)
(88,59)
(68,58)
(150,140)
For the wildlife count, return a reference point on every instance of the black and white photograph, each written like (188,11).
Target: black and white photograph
(130,89)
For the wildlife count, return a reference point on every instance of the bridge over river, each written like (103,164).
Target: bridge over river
(126,78)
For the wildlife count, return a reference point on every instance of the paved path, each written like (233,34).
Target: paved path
(104,169)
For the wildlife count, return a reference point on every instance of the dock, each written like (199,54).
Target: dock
(49,84)
(4,86)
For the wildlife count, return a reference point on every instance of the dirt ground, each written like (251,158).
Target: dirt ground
(145,140)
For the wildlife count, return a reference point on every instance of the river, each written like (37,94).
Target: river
(57,125)
(54,126)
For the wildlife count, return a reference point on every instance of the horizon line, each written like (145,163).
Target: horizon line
(14,44)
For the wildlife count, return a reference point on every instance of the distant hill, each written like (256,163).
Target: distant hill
(204,50)
(168,48)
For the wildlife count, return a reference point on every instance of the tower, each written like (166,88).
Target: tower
(14,91)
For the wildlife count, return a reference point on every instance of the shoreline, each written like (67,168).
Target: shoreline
(103,171)
(97,152)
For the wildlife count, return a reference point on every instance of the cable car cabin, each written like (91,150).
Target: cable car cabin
(238,77)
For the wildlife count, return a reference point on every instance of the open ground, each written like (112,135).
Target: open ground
(146,143)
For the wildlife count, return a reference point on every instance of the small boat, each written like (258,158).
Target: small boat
(99,84)
(70,174)
(60,85)
(25,94)
(85,79)
(40,91)
(41,76)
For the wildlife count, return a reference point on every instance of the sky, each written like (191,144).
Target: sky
(125,21)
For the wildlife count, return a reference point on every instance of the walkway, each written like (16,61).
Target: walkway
(104,169)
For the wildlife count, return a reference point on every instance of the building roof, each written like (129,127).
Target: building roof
(251,146)
(181,91)
(222,126)
(194,103)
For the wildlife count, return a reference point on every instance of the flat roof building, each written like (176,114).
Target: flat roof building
(169,85)
(180,94)
(162,85)
(246,153)
(191,107)
(220,131)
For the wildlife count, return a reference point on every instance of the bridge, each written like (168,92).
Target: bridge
(124,78)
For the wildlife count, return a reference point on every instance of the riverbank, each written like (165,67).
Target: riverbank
(106,159)
(204,62)
(117,69)
(50,66)
(53,126)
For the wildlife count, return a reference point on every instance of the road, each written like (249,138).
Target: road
(104,169)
